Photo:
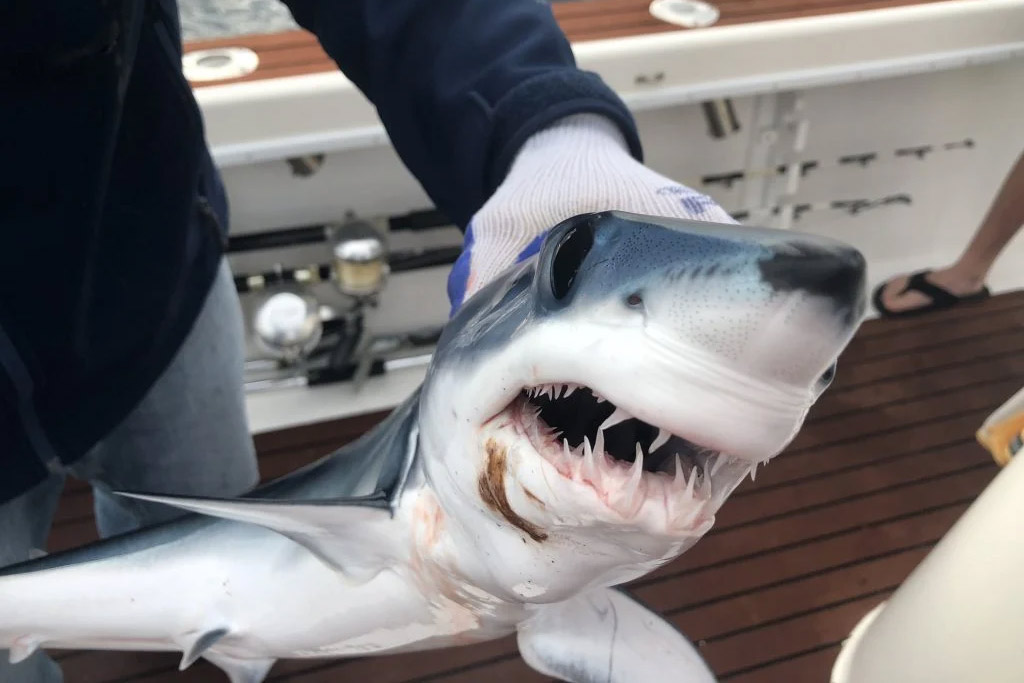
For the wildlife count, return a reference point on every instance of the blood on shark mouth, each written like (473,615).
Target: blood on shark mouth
(626,460)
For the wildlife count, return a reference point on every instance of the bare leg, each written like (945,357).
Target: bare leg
(968,273)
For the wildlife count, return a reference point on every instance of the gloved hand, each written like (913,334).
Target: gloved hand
(578,165)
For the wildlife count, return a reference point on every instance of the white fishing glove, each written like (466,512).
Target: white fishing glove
(580,164)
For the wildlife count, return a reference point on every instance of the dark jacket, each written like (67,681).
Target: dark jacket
(113,214)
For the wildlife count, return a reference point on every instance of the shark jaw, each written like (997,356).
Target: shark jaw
(605,433)
(586,461)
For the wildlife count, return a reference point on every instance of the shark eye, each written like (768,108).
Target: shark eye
(569,256)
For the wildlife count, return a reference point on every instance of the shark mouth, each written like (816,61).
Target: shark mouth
(628,462)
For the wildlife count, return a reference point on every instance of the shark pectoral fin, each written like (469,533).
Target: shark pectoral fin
(200,645)
(606,636)
(241,670)
(352,535)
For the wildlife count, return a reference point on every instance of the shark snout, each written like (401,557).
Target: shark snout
(736,269)
(819,268)
(773,304)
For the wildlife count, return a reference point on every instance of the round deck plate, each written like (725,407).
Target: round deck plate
(218,64)
(686,13)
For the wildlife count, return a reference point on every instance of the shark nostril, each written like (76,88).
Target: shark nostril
(569,255)
(634,300)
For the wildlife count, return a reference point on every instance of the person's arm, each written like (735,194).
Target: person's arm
(460,85)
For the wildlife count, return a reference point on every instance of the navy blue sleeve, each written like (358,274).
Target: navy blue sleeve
(460,84)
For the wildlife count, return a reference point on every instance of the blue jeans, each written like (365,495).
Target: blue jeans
(189,435)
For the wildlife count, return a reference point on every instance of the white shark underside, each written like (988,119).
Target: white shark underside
(583,419)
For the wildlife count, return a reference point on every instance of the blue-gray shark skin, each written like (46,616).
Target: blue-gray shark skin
(583,418)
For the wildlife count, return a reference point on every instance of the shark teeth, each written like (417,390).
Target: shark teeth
(615,418)
(627,487)
(684,497)
(690,483)
(636,472)
(553,391)
(679,479)
(590,468)
(663,436)
(753,469)
(716,463)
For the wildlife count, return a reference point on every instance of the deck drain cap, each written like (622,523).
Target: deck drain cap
(687,13)
(218,64)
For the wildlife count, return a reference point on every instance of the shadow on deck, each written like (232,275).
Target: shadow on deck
(885,465)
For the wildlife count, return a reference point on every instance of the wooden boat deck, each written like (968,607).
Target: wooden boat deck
(885,465)
(294,53)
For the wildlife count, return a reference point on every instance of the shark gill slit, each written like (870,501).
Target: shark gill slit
(491,484)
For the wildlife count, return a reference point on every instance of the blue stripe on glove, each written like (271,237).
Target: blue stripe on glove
(458,278)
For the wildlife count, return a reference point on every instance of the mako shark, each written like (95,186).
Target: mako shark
(582,420)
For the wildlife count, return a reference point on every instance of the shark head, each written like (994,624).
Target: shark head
(587,413)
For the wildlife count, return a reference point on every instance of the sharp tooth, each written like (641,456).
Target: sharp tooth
(661,440)
(679,480)
(690,484)
(635,473)
(566,451)
(615,418)
(705,484)
(599,397)
(753,472)
(589,461)
(569,389)
(719,461)
(599,443)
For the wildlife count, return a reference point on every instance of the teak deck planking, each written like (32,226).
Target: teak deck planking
(885,465)
(294,53)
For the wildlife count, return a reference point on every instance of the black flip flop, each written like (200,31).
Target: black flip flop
(941,299)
